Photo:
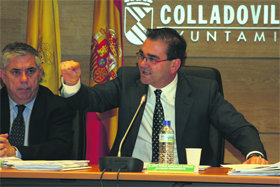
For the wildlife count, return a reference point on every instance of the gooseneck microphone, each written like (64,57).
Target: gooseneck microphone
(143,100)
(118,163)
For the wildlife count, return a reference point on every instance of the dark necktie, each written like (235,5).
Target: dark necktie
(158,119)
(16,137)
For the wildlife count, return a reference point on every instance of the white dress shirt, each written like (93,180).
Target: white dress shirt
(26,116)
(143,145)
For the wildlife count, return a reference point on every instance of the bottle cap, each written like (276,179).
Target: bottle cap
(166,122)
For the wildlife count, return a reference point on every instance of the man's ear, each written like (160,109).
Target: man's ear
(175,65)
(41,72)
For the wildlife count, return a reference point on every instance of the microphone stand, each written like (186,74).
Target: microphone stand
(127,164)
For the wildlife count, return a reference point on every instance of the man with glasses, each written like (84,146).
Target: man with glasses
(192,101)
(35,123)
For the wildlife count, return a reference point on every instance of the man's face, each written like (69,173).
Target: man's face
(22,78)
(157,74)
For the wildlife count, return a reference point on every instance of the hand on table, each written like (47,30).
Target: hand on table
(256,160)
(6,149)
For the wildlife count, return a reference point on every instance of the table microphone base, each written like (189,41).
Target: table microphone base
(125,164)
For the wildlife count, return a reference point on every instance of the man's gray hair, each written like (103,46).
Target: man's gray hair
(18,49)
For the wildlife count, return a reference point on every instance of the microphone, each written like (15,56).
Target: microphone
(118,163)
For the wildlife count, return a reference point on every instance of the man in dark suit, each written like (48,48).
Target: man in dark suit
(45,122)
(190,103)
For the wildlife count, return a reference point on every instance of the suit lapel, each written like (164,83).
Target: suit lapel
(140,90)
(35,119)
(183,105)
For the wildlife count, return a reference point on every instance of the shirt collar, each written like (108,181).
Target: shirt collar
(28,105)
(168,91)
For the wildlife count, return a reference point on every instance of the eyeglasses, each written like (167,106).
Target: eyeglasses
(151,60)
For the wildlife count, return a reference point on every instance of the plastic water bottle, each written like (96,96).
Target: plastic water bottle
(166,144)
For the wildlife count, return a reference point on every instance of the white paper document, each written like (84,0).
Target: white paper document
(6,160)
(254,169)
(44,165)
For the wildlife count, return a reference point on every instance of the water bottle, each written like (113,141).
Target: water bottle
(166,144)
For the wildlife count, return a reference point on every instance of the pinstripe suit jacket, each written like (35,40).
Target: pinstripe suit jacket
(198,103)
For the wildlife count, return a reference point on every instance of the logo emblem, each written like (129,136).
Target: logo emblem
(141,14)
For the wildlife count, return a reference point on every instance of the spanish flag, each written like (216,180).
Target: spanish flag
(43,33)
(105,59)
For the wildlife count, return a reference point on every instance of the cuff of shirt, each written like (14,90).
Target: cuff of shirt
(68,91)
(17,153)
(252,152)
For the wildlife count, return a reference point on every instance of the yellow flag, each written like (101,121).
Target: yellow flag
(106,49)
(43,33)
(105,59)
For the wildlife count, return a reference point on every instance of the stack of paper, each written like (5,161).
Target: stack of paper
(58,165)
(6,160)
(260,170)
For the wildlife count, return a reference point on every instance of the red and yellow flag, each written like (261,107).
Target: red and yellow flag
(43,33)
(105,59)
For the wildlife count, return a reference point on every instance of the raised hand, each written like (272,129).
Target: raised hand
(71,72)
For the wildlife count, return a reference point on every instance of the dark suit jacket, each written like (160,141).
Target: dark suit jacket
(198,103)
(50,128)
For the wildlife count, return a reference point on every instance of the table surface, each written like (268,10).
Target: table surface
(214,174)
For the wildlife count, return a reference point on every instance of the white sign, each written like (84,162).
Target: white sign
(224,20)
